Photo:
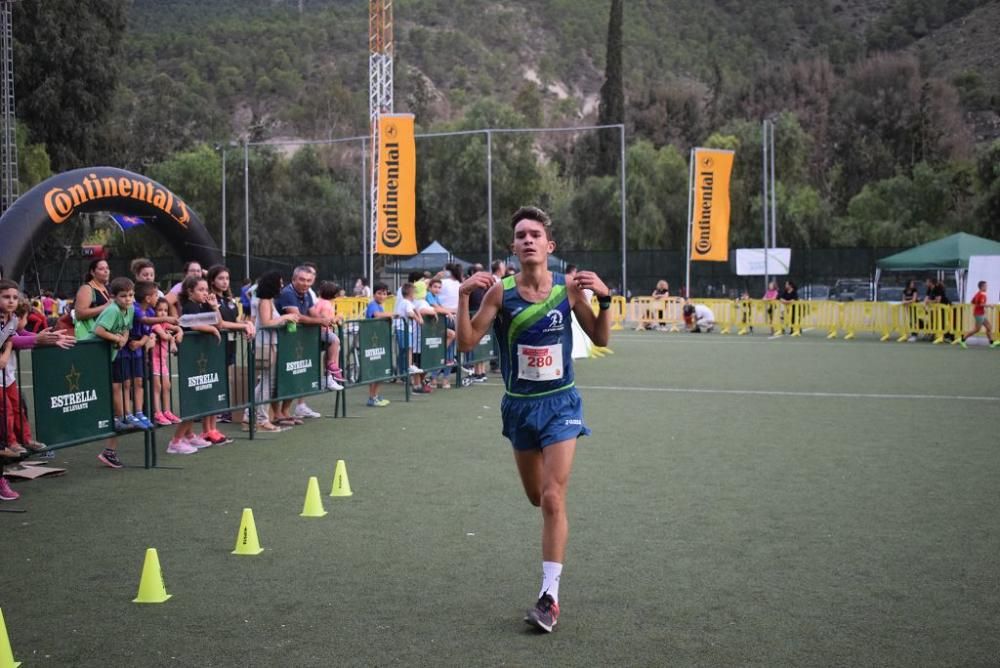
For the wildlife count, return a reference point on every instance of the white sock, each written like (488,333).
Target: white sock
(551,570)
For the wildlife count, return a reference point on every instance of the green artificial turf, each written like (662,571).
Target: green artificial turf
(743,501)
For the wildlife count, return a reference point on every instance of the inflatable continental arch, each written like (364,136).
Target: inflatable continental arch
(54,201)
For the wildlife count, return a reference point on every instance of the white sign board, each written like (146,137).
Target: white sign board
(983,268)
(750,261)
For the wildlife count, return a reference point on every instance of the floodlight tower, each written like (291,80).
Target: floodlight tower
(8,142)
(380,52)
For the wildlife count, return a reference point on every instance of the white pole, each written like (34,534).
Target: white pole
(246,206)
(764,199)
(687,248)
(624,219)
(774,205)
(489,198)
(364,208)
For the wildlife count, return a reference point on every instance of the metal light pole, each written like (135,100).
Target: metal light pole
(223,224)
(764,198)
(489,198)
(246,206)
(624,221)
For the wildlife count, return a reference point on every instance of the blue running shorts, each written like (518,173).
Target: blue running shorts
(531,423)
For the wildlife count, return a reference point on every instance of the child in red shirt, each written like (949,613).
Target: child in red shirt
(979,313)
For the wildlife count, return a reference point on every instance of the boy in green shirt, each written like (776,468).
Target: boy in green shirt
(113,325)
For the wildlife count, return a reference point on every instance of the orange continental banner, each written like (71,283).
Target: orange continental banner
(710,224)
(397,180)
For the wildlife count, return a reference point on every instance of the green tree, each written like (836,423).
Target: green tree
(66,60)
(612,106)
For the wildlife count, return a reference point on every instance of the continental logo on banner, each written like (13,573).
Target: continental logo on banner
(710,238)
(61,202)
(397,178)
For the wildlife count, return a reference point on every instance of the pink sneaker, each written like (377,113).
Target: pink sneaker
(173,418)
(161,419)
(7,493)
(198,442)
(179,446)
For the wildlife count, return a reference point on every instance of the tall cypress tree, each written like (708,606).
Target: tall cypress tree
(612,108)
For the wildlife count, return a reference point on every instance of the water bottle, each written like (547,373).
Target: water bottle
(292,327)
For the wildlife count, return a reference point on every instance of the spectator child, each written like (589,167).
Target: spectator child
(113,325)
(134,357)
(405,310)
(195,299)
(433,290)
(698,318)
(376,311)
(324,309)
(979,313)
(166,337)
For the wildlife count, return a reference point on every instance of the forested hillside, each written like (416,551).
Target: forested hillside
(886,110)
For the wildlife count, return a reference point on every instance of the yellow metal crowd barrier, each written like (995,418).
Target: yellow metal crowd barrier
(888,321)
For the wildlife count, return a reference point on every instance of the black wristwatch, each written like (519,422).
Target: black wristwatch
(604,302)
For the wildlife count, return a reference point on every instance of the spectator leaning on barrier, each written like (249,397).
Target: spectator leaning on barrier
(406,310)
(298,297)
(789,297)
(197,301)
(909,307)
(192,269)
(936,294)
(133,357)
(323,309)
(433,291)
(229,314)
(266,318)
(91,298)
(113,325)
(475,301)
(167,336)
(376,311)
(698,318)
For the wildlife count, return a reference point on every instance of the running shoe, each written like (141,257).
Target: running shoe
(173,418)
(995,344)
(545,614)
(414,369)
(377,402)
(135,423)
(479,378)
(7,493)
(109,457)
(146,424)
(121,424)
(304,411)
(338,374)
(332,384)
(198,442)
(178,446)
(161,419)
(962,343)
(226,418)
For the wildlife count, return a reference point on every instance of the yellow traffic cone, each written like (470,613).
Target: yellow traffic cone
(341,485)
(151,587)
(6,653)
(246,540)
(313,507)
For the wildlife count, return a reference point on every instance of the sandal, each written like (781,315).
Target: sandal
(35,446)
(289,421)
(268,426)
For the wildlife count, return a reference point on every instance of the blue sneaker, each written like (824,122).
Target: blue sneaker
(132,422)
(143,420)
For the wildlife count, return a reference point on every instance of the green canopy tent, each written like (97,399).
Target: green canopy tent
(947,254)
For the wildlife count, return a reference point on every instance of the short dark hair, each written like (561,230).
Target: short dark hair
(415,276)
(406,289)
(688,309)
(120,285)
(982,284)
(139,264)
(144,288)
(7,284)
(380,287)
(495,265)
(328,290)
(434,281)
(162,300)
(532,213)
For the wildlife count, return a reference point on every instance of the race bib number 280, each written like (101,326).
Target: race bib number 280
(539,362)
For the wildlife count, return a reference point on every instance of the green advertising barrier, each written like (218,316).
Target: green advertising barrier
(72,393)
(202,377)
(433,343)
(484,350)
(299,368)
(374,350)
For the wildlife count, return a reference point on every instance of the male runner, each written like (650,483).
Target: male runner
(542,412)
